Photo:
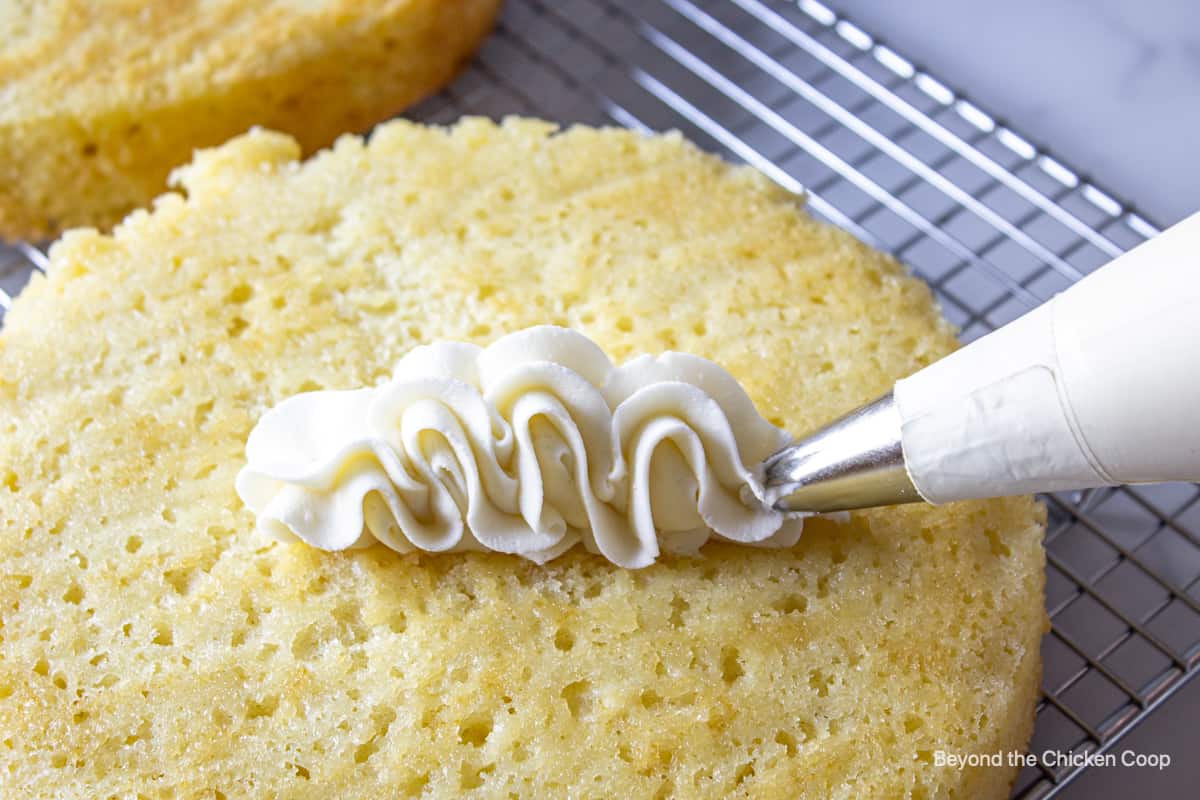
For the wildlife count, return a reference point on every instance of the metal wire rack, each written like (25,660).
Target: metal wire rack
(990,220)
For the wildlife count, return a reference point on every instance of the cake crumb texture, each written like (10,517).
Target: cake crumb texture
(152,644)
(100,99)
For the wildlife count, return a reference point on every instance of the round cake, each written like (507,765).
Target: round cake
(100,100)
(154,643)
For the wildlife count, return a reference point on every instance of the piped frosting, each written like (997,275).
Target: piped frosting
(528,446)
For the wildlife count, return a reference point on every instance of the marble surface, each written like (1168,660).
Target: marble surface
(1111,86)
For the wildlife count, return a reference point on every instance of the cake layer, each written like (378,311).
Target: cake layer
(153,642)
(100,99)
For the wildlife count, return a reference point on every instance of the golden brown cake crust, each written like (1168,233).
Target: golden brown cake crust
(153,643)
(100,100)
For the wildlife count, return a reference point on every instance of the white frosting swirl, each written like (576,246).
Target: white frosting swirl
(528,446)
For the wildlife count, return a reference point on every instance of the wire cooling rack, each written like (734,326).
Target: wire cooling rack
(993,222)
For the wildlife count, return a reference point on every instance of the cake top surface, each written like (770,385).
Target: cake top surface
(60,55)
(153,642)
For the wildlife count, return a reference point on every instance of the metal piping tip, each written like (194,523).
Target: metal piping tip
(855,462)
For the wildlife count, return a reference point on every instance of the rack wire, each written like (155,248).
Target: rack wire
(993,222)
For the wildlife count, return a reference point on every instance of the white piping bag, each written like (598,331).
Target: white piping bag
(1098,386)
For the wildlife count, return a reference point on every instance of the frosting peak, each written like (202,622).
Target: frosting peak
(528,446)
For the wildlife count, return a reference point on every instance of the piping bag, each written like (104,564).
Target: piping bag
(1098,386)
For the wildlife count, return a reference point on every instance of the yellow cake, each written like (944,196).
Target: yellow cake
(154,643)
(99,100)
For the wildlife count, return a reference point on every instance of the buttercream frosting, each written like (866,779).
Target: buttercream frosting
(528,446)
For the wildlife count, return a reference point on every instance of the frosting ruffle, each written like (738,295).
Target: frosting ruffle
(528,446)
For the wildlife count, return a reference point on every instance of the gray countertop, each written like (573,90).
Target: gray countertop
(1113,88)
